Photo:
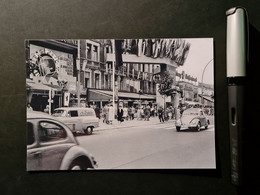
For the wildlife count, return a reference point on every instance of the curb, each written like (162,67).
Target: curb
(111,127)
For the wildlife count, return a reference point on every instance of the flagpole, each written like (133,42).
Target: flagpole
(113,87)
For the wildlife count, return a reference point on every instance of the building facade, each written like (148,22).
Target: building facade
(62,72)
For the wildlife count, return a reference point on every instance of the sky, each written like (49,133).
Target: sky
(199,58)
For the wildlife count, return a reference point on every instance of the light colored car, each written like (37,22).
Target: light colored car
(52,146)
(80,120)
(192,118)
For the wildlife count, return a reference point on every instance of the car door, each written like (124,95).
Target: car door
(54,144)
(33,151)
(74,120)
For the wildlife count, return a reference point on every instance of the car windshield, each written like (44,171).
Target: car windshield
(59,113)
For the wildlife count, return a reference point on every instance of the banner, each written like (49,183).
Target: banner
(66,98)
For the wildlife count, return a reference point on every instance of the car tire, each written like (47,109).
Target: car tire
(198,126)
(77,165)
(178,128)
(88,130)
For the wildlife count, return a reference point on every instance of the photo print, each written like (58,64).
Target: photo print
(120,104)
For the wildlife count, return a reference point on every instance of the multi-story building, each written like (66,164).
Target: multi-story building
(188,87)
(83,69)
(50,71)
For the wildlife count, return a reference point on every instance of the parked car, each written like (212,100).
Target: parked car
(80,120)
(192,118)
(52,146)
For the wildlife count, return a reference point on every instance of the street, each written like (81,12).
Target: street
(150,145)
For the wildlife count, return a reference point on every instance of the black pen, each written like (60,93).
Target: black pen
(237,60)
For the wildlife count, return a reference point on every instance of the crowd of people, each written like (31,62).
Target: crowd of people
(138,112)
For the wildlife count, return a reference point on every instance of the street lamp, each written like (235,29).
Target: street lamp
(202,79)
(78,75)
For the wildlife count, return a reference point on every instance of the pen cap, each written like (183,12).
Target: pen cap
(237,41)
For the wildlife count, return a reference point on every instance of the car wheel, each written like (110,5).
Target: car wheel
(77,165)
(88,130)
(178,128)
(198,126)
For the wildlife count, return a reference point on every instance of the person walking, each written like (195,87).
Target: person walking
(110,116)
(105,114)
(132,113)
(160,114)
(147,113)
(142,113)
(125,113)
(120,114)
(138,113)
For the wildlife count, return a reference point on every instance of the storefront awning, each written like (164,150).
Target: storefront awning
(96,95)
(208,98)
(30,85)
(104,95)
(192,103)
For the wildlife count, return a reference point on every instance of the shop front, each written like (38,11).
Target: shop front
(101,97)
(50,73)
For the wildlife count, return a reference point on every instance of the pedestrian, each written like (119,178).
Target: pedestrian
(147,113)
(97,111)
(142,113)
(138,113)
(125,113)
(132,113)
(110,115)
(129,113)
(152,111)
(169,113)
(105,114)
(29,108)
(46,110)
(178,115)
(160,114)
(120,113)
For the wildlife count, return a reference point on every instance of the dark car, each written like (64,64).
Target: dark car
(52,146)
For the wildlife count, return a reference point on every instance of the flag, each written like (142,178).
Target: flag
(118,53)
(66,98)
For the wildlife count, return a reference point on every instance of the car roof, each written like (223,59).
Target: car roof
(193,110)
(36,114)
(73,108)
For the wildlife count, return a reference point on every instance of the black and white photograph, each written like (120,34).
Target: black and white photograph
(108,104)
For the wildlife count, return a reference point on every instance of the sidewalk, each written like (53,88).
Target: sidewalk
(127,124)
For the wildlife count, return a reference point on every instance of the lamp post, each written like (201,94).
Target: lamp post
(78,74)
(202,80)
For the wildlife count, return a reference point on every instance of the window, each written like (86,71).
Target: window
(73,113)
(89,48)
(96,80)
(50,131)
(59,113)
(86,113)
(30,134)
(87,79)
(95,53)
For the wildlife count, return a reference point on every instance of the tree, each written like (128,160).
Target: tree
(165,85)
